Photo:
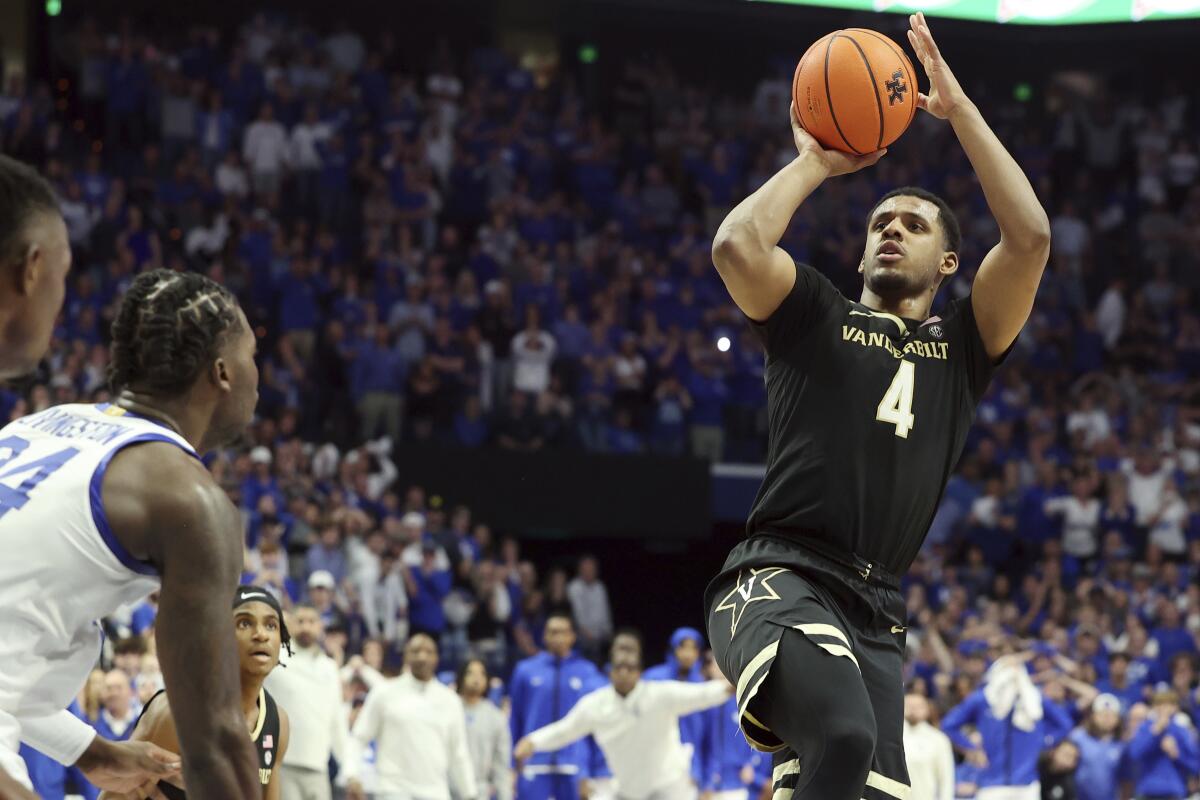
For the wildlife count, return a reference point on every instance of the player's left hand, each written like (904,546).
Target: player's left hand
(128,767)
(945,92)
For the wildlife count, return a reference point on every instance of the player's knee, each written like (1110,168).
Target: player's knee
(850,741)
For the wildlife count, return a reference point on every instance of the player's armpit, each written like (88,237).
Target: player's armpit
(1004,290)
(758,280)
(191,533)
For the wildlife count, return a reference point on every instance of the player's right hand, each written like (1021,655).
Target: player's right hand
(835,161)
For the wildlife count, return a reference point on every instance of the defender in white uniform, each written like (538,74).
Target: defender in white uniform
(100,503)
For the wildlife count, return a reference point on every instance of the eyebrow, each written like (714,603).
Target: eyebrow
(253,616)
(911,214)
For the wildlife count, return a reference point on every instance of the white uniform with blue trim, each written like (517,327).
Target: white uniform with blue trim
(61,568)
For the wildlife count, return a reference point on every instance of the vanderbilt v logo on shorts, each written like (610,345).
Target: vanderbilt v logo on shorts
(752,588)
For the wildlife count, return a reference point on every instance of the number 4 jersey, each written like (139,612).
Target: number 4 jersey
(61,567)
(868,414)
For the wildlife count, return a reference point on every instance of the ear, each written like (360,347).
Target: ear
(949,265)
(220,375)
(862,265)
(29,271)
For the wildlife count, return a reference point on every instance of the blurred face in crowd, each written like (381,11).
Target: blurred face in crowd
(474,680)
(559,636)
(118,693)
(587,569)
(626,671)
(257,628)
(308,628)
(321,597)
(372,653)
(420,657)
(1065,758)
(916,709)
(686,654)
(1105,721)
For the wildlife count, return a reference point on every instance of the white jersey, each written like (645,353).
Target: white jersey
(61,567)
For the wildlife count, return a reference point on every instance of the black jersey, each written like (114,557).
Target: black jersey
(868,414)
(266,742)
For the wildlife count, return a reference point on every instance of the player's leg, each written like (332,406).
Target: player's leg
(880,654)
(815,702)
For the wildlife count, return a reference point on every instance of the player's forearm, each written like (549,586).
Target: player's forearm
(1010,196)
(758,223)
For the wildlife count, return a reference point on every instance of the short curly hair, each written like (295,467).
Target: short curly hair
(23,195)
(169,329)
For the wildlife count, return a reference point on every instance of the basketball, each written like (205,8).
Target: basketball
(855,91)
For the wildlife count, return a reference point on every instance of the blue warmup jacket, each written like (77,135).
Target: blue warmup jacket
(726,752)
(1012,753)
(1157,774)
(543,689)
(692,727)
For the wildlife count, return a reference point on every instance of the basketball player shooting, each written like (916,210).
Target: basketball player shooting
(869,404)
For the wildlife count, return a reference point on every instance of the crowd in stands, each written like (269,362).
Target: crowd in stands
(470,253)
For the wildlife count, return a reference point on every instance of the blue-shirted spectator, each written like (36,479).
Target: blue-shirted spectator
(544,687)
(1163,753)
(118,710)
(327,554)
(1015,722)
(1101,751)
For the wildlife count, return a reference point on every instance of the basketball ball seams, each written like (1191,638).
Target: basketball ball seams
(905,64)
(874,87)
(829,95)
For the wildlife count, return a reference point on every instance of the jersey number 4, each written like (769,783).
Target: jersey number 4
(11,447)
(896,406)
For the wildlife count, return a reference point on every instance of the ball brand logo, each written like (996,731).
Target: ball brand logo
(896,88)
(814,104)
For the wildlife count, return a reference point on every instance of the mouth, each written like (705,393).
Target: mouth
(889,252)
(261,656)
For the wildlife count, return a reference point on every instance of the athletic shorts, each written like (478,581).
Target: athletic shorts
(842,604)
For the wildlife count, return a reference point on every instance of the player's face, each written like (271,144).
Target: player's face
(237,408)
(420,656)
(256,626)
(905,253)
(43,276)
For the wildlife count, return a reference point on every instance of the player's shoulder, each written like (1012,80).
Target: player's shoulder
(180,485)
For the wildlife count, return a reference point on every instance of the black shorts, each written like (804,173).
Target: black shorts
(843,604)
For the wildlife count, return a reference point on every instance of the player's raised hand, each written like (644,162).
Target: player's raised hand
(945,92)
(837,162)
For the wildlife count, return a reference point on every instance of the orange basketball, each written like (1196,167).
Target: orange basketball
(855,91)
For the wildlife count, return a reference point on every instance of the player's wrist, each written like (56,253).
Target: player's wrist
(98,752)
(812,163)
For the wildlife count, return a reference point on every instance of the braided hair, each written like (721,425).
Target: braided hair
(168,330)
(23,195)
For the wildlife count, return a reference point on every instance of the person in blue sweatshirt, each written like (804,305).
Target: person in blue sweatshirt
(1101,751)
(683,664)
(729,762)
(1163,752)
(544,687)
(1015,723)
